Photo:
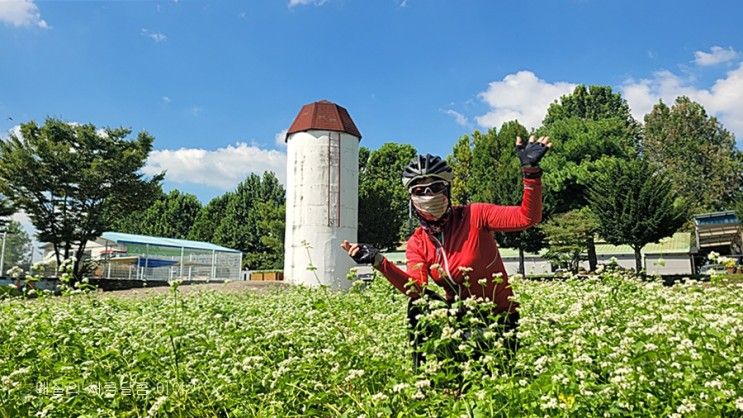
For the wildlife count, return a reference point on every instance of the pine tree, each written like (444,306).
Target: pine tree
(635,205)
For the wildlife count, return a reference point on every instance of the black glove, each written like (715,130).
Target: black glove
(530,153)
(366,254)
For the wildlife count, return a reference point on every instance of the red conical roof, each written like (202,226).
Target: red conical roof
(323,115)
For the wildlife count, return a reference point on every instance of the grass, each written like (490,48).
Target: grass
(605,346)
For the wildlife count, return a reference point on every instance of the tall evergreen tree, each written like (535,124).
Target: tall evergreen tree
(635,205)
(696,152)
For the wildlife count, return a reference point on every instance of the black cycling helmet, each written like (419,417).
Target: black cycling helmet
(426,167)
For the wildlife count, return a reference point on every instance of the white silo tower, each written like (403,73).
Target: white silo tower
(321,195)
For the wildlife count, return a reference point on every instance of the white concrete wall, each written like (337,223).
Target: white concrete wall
(531,265)
(626,261)
(321,208)
(674,264)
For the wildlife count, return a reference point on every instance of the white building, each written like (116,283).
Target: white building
(321,195)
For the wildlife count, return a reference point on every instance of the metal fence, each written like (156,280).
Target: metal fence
(153,262)
(159,263)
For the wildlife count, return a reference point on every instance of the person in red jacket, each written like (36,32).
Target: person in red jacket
(454,245)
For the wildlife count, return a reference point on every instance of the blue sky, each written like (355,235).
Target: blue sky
(217,82)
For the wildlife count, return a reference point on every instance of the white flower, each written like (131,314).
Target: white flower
(353,374)
(155,408)
(422,384)
(379,397)
(400,387)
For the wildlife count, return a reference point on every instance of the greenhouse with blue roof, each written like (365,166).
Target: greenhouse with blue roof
(118,255)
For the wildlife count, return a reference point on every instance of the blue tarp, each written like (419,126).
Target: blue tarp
(155,262)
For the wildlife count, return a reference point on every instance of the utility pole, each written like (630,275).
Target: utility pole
(2,255)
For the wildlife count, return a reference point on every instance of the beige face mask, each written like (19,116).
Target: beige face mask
(431,207)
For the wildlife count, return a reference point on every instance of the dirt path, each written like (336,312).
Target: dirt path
(230,287)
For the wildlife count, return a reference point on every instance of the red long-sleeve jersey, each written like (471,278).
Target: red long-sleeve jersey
(468,251)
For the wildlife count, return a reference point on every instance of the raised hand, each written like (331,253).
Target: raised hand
(531,153)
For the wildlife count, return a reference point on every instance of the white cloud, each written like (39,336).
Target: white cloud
(521,96)
(294,3)
(280,137)
(16,130)
(166,99)
(155,36)
(458,117)
(724,99)
(717,55)
(21,13)
(196,110)
(222,168)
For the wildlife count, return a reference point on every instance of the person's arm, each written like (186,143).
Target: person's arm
(517,218)
(417,274)
(512,218)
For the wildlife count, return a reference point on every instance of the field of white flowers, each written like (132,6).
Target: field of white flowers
(606,346)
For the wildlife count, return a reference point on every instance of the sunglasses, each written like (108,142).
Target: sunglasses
(429,188)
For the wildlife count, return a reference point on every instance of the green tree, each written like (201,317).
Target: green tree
(249,220)
(586,126)
(460,162)
(635,205)
(568,235)
(74,181)
(209,218)
(696,152)
(269,250)
(483,177)
(169,216)
(579,147)
(593,103)
(18,247)
(383,201)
